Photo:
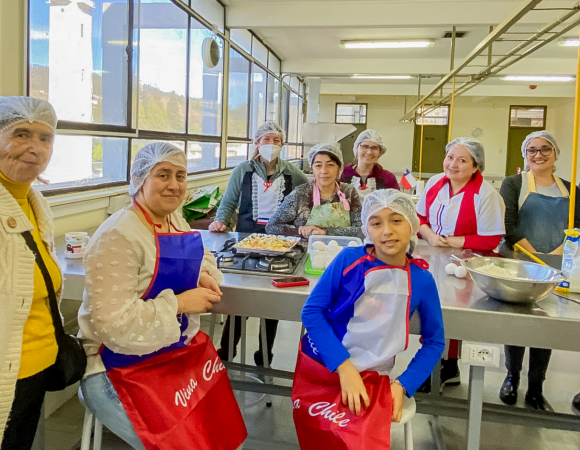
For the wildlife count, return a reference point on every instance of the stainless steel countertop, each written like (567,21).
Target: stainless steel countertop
(468,313)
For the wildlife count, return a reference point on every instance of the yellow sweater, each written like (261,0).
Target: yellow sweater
(39,346)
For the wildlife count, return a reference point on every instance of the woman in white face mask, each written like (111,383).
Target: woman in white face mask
(256,189)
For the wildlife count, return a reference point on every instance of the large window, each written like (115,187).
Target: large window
(433,116)
(527,116)
(123,74)
(351,113)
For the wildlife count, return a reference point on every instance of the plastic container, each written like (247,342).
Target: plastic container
(320,259)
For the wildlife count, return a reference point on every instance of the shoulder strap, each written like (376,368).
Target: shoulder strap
(56,320)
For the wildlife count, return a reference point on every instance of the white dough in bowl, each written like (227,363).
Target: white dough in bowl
(318,261)
(319,245)
(333,245)
(353,244)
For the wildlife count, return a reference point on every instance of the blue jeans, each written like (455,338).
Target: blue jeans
(103,401)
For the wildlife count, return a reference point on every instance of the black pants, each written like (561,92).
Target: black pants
(25,413)
(539,360)
(271,329)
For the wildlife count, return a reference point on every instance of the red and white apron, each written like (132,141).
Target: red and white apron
(178,397)
(377,332)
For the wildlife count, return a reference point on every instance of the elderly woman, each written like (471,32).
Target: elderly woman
(29,347)
(148,278)
(537,204)
(323,206)
(366,174)
(256,189)
(460,209)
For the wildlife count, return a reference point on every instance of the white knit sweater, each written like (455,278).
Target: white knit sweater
(17,286)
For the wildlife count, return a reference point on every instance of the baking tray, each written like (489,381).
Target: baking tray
(293,239)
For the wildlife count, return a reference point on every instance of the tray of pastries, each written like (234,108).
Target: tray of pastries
(266,244)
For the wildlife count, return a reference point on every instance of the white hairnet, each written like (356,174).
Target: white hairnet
(540,134)
(267,128)
(325,148)
(473,146)
(15,110)
(396,201)
(369,135)
(148,157)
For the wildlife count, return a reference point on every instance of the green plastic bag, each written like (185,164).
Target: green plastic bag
(201,202)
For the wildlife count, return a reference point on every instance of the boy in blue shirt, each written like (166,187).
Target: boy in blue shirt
(357,321)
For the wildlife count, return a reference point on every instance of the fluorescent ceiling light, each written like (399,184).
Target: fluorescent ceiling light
(570,42)
(411,43)
(382,77)
(538,78)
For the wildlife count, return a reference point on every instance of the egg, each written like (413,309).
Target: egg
(333,245)
(450,268)
(460,272)
(319,245)
(318,262)
(353,244)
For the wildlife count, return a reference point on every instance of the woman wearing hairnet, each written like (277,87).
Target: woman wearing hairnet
(29,347)
(366,174)
(256,189)
(355,328)
(148,277)
(258,186)
(537,204)
(324,206)
(460,209)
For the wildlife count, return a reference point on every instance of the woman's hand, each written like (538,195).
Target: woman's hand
(307,230)
(197,301)
(433,238)
(209,282)
(352,387)
(397,392)
(455,241)
(217,227)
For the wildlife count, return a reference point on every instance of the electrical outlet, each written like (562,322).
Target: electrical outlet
(478,354)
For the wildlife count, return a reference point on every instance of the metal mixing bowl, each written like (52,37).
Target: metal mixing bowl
(542,279)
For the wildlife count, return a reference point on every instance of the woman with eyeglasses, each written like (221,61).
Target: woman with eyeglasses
(537,205)
(366,174)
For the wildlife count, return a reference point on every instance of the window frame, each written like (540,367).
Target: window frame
(366,116)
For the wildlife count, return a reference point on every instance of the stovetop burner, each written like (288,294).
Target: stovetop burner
(229,261)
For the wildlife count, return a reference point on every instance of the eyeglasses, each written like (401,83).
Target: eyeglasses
(366,148)
(544,151)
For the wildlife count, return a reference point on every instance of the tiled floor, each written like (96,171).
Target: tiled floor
(272,428)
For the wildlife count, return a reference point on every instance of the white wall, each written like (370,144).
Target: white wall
(488,113)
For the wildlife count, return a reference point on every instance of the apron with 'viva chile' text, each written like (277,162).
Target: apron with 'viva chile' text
(178,397)
(377,332)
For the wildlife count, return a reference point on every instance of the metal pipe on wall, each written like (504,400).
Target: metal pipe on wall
(575,146)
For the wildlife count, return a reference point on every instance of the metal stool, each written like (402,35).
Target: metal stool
(409,411)
(88,422)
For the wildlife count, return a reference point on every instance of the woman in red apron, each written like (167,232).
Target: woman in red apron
(357,321)
(153,378)
(460,209)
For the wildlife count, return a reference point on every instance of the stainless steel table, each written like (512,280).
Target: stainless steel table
(468,313)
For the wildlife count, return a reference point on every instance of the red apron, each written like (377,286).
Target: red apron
(376,333)
(178,397)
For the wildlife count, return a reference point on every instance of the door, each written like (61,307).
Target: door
(434,141)
(523,121)
(347,143)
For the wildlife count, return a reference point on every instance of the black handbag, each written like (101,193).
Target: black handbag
(71,360)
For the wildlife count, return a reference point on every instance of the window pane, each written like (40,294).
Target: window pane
(527,116)
(210,10)
(351,113)
(273,63)
(237,153)
(85,161)
(273,99)
(285,103)
(202,156)
(243,38)
(293,119)
(258,104)
(78,59)
(300,121)
(437,116)
(259,51)
(294,83)
(205,84)
(162,67)
(138,144)
(238,95)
